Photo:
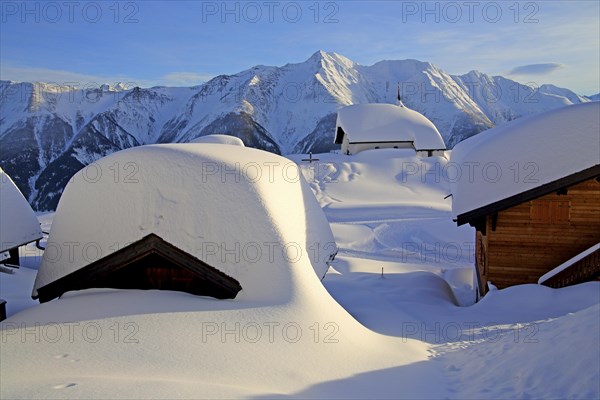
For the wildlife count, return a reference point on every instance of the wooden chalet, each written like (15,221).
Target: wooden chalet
(540,204)
(521,238)
(149,263)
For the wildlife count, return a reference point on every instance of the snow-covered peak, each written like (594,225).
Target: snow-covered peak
(119,87)
(562,92)
(475,73)
(317,56)
(407,67)
(4,83)
(322,59)
(478,76)
(334,57)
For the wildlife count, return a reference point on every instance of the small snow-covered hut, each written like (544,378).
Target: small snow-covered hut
(18,223)
(531,189)
(208,219)
(373,126)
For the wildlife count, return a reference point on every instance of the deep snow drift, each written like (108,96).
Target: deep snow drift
(282,334)
(406,336)
(246,212)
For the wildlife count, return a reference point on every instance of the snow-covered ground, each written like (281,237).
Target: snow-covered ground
(407,326)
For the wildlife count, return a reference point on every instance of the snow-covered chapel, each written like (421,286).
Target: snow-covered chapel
(362,127)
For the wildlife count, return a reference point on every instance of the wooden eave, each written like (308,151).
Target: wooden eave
(554,186)
(218,284)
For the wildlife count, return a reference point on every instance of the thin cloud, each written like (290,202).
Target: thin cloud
(60,77)
(185,78)
(536,69)
(75,79)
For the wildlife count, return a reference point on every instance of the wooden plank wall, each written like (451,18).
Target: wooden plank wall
(534,237)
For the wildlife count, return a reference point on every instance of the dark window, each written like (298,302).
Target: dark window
(339,135)
(550,211)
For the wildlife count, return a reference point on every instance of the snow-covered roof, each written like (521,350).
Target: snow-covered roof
(219,139)
(524,154)
(367,123)
(245,212)
(19,224)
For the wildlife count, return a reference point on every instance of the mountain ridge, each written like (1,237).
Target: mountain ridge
(49,132)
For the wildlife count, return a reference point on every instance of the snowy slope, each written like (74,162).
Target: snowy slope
(48,132)
(396,335)
(173,345)
(553,358)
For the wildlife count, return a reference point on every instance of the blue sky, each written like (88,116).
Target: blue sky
(186,42)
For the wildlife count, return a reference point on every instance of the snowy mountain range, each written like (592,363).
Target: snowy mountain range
(49,131)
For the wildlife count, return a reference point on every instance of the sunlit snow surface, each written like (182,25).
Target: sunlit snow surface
(402,273)
(219,139)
